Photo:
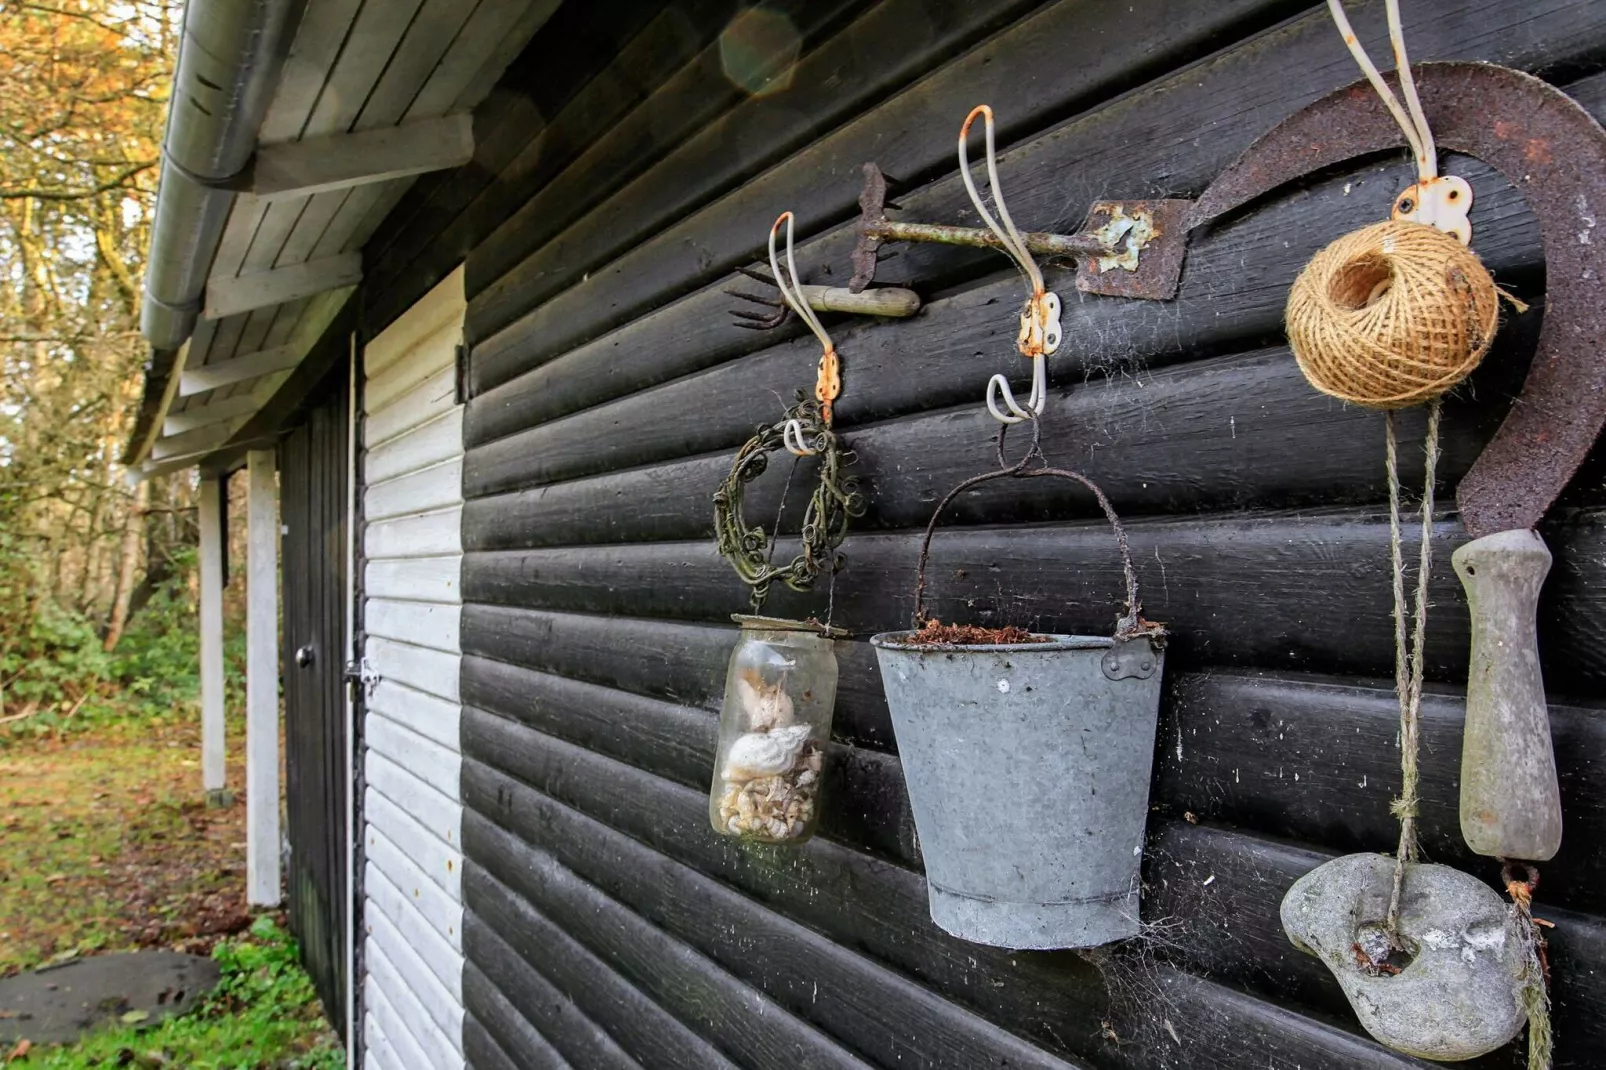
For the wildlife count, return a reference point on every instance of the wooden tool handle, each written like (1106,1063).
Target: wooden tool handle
(891,301)
(1510,802)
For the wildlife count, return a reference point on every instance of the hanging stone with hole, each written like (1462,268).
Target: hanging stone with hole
(1455,994)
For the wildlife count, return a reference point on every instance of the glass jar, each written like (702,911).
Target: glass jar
(780,692)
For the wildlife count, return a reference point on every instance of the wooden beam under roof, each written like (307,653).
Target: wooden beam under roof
(201,440)
(215,412)
(261,289)
(317,165)
(239,369)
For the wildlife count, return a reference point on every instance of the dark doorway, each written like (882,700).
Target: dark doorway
(313,477)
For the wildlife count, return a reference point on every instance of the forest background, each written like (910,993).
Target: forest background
(96,572)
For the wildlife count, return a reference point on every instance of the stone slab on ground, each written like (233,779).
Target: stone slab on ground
(57,1004)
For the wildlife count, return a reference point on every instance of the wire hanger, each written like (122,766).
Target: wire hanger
(828,383)
(1040,319)
(1440,201)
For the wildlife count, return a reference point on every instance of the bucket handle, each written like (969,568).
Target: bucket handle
(1131,625)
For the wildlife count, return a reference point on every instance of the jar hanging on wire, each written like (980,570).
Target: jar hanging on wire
(780,691)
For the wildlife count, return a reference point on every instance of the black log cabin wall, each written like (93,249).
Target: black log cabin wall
(620,180)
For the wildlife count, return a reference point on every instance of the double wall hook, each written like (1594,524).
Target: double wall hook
(1040,319)
(828,382)
(1440,201)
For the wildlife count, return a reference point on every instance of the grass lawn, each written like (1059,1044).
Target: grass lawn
(106,844)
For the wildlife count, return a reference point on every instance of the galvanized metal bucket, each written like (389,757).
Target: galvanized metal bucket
(1028,770)
(1028,766)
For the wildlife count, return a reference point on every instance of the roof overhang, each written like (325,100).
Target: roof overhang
(294,127)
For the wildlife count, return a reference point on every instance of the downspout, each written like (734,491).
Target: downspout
(228,65)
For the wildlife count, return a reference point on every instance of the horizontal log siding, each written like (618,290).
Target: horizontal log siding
(412,508)
(606,926)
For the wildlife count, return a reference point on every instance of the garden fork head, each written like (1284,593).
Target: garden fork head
(759,321)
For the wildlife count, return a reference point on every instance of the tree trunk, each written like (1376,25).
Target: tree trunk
(127,563)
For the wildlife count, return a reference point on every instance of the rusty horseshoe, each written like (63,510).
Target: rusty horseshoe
(1554,152)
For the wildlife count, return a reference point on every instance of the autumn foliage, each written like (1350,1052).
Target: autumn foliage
(83,88)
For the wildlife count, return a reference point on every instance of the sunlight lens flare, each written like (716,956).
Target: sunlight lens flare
(759,50)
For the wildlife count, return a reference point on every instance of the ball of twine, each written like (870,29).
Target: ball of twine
(1391,315)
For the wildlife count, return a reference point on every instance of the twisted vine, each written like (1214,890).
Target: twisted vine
(836,500)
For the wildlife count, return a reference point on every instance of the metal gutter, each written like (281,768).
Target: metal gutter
(228,66)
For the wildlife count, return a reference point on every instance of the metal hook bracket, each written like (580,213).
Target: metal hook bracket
(1124,249)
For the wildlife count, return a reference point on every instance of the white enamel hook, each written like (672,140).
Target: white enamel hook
(829,383)
(1040,319)
(1440,201)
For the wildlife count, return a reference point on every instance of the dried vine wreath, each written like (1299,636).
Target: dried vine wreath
(835,501)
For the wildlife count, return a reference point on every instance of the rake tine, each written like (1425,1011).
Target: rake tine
(757,276)
(760,320)
(893,206)
(756,298)
(757,326)
(894,183)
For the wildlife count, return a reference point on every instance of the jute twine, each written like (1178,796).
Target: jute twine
(1392,315)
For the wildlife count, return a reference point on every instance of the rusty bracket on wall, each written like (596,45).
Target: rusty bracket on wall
(1124,249)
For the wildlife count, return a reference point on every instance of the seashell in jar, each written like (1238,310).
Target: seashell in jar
(767,706)
(763,754)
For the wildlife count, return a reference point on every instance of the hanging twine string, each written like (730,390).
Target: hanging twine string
(1389,316)
(1408,662)
(1534,963)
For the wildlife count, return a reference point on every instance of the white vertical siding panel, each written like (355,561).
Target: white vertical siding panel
(409,1015)
(432,717)
(429,624)
(433,397)
(430,534)
(432,671)
(430,900)
(434,487)
(438,860)
(377,1054)
(408,1052)
(413,944)
(416,579)
(427,760)
(441,815)
(442,307)
(412,498)
(419,447)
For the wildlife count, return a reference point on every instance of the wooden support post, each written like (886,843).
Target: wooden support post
(262,683)
(212,536)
